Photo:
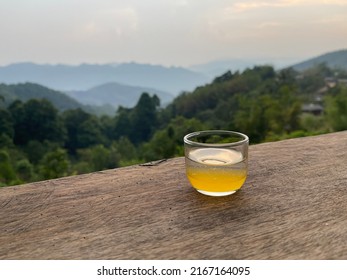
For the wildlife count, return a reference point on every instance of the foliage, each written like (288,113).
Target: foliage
(54,164)
(139,123)
(336,110)
(83,130)
(24,170)
(167,142)
(27,91)
(6,123)
(36,120)
(7,173)
(99,157)
(38,142)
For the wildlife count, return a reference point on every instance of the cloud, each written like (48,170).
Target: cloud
(268,24)
(119,22)
(245,6)
(170,31)
(181,3)
(123,20)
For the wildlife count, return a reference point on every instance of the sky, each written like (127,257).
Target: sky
(169,32)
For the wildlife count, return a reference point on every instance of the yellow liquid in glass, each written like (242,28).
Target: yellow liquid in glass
(215,171)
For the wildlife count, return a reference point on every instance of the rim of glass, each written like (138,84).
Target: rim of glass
(216,132)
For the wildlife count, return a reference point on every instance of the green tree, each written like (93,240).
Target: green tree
(336,110)
(7,173)
(36,120)
(99,157)
(6,142)
(122,123)
(35,150)
(107,128)
(250,119)
(6,123)
(312,79)
(168,142)
(144,118)
(17,111)
(54,164)
(43,122)
(312,123)
(160,146)
(83,130)
(267,114)
(287,76)
(24,170)
(127,152)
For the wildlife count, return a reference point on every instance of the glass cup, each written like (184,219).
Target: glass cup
(216,161)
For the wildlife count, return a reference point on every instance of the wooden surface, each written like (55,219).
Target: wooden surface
(293,206)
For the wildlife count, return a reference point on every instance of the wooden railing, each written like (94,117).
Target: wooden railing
(292,206)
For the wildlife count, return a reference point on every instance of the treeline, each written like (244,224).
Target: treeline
(38,142)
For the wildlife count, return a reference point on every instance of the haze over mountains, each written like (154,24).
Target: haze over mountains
(86,76)
(217,67)
(111,93)
(27,91)
(111,84)
(122,84)
(337,59)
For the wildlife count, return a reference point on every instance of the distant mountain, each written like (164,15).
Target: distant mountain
(216,68)
(336,59)
(85,76)
(169,79)
(116,94)
(27,91)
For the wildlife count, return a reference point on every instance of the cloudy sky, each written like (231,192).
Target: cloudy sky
(169,32)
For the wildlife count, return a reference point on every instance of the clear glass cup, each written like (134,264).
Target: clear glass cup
(216,161)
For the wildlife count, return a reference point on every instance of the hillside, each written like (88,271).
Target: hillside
(39,143)
(216,68)
(85,76)
(336,59)
(27,91)
(116,94)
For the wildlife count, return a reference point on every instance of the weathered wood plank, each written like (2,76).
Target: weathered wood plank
(293,206)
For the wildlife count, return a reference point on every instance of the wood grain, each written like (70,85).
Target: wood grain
(293,206)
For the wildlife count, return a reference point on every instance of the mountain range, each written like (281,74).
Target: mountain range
(85,76)
(336,59)
(116,94)
(111,85)
(26,91)
(216,68)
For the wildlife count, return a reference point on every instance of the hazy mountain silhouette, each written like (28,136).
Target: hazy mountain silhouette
(85,76)
(122,84)
(27,91)
(117,94)
(335,59)
(218,67)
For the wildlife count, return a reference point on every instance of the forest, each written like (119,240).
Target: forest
(39,141)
